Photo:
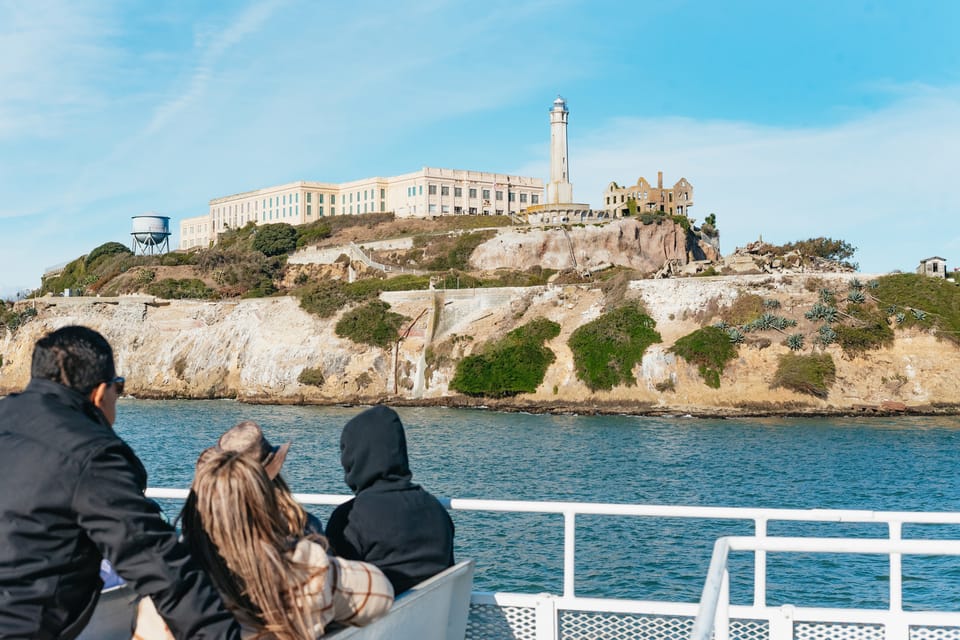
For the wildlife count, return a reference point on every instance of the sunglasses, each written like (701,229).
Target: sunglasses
(117,383)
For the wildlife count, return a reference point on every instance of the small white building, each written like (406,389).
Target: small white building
(935,267)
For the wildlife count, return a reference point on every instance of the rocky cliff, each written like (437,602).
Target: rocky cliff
(255,350)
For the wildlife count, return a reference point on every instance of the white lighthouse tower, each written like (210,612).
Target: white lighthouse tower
(559,189)
(558,206)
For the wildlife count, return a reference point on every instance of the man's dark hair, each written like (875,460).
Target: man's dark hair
(76,357)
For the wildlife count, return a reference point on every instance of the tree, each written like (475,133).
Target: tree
(106,249)
(275,239)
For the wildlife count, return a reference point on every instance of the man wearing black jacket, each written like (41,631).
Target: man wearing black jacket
(74,493)
(392,522)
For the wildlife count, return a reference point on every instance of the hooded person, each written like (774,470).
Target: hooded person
(391,523)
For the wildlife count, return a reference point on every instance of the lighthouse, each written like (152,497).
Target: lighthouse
(559,189)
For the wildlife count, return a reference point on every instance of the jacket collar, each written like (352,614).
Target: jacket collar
(69,397)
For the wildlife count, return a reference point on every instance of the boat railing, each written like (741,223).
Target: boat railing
(565,616)
(714,613)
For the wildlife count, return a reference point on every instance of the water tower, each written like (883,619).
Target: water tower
(151,234)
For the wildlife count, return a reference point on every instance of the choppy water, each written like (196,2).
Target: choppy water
(878,464)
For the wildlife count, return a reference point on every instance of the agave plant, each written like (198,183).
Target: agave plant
(874,284)
(855,284)
(771,303)
(794,341)
(891,309)
(722,325)
(820,311)
(856,296)
(736,336)
(901,317)
(826,335)
(919,314)
(825,295)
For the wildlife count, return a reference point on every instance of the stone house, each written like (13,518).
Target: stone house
(935,267)
(675,200)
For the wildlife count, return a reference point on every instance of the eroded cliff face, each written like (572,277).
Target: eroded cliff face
(625,242)
(255,350)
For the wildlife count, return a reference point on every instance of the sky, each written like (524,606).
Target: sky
(792,120)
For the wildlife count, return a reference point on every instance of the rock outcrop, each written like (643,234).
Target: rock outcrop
(255,350)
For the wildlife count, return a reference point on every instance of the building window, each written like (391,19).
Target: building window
(499,195)
(421,190)
(473,211)
(499,212)
(319,198)
(297,208)
(383,193)
(486,194)
(534,199)
(523,197)
(432,190)
(511,196)
(308,207)
(308,196)
(333,210)
(364,194)
(297,197)
(444,190)
(383,205)
(473,193)
(457,192)
(364,205)
(351,199)
(432,208)
(445,209)
(351,209)
(458,210)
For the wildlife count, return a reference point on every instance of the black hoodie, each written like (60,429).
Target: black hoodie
(391,523)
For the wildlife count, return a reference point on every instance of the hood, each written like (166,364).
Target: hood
(373,450)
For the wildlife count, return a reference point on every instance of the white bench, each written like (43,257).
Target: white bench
(435,609)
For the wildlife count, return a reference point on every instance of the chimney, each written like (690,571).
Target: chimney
(659,179)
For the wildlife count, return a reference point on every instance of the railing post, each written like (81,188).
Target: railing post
(569,552)
(896,570)
(546,618)
(760,566)
(721,619)
(781,626)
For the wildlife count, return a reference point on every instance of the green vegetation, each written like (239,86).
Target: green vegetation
(12,319)
(173,289)
(746,308)
(710,348)
(606,349)
(868,330)
(326,297)
(826,248)
(312,233)
(514,364)
(372,323)
(107,249)
(274,239)
(938,299)
(812,374)
(312,377)
(459,256)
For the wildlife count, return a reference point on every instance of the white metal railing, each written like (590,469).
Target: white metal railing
(546,608)
(713,615)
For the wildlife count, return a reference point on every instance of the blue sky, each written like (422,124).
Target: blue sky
(792,120)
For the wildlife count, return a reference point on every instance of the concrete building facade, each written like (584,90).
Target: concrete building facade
(421,194)
(675,200)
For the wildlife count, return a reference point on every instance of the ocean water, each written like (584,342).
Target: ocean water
(901,464)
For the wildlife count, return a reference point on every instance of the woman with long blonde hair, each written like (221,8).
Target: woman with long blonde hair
(282,584)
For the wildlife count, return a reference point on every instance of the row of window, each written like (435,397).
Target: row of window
(472,193)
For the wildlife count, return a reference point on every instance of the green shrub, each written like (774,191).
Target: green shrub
(106,249)
(938,298)
(372,323)
(606,349)
(710,348)
(326,297)
(274,239)
(312,233)
(312,377)
(459,256)
(514,364)
(810,374)
(869,331)
(172,289)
